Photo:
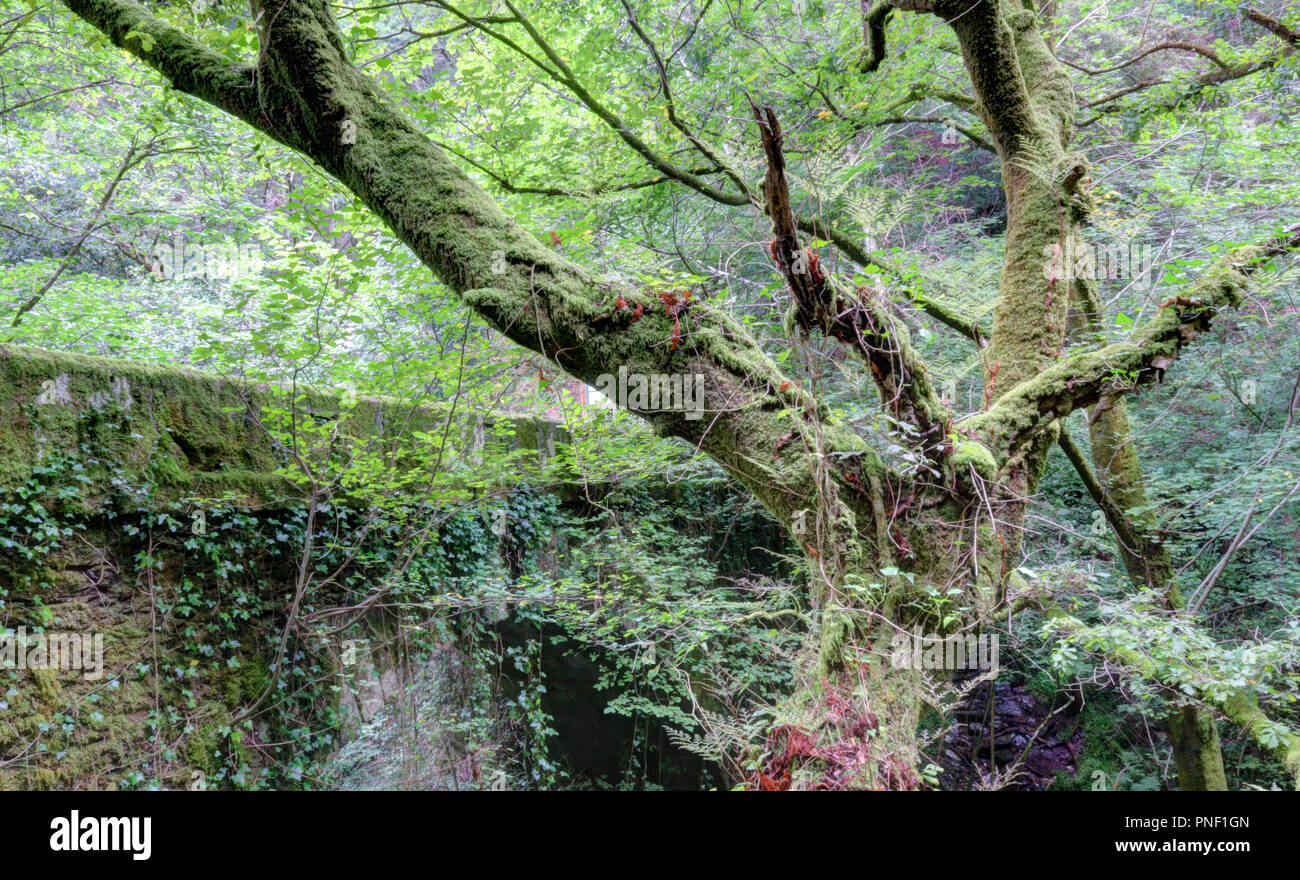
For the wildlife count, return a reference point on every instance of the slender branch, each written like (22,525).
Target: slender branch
(39,98)
(1124,529)
(967,132)
(1161,47)
(1223,73)
(135,154)
(1202,591)
(480,24)
(599,189)
(564,75)
(670,107)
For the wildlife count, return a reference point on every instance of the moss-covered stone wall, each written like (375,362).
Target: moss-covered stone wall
(160,510)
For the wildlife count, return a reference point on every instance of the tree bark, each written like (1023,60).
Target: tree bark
(1197,752)
(881,544)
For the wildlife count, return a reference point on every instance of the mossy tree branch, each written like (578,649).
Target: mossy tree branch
(306,94)
(874,18)
(1241,707)
(1220,73)
(1097,377)
(554,67)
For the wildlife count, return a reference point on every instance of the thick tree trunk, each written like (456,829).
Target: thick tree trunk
(887,552)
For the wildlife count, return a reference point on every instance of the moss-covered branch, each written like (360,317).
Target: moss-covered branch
(1222,72)
(1102,375)
(1119,521)
(192,67)
(310,97)
(874,18)
(1239,706)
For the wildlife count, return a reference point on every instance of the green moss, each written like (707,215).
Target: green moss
(43,779)
(836,626)
(202,750)
(976,455)
(1100,759)
(47,685)
(182,432)
(247,682)
(169,436)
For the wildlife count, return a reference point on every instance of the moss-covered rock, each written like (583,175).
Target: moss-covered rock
(102,463)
